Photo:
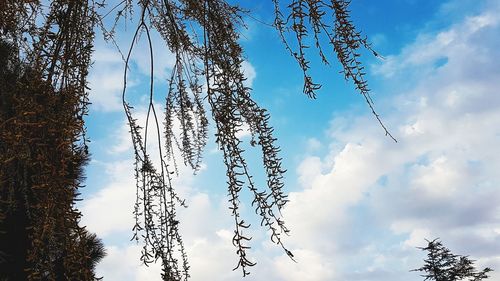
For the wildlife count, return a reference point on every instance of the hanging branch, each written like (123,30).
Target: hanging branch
(155,210)
(209,51)
(207,78)
(217,59)
(343,38)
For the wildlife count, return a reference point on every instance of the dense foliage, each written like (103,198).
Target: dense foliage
(43,147)
(41,172)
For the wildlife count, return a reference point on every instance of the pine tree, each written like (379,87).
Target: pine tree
(42,156)
(442,265)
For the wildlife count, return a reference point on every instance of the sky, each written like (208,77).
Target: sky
(360,204)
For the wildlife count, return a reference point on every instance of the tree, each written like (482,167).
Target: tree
(42,157)
(207,77)
(442,265)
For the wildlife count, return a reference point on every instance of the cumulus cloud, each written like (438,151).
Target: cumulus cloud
(109,211)
(106,80)
(249,72)
(122,263)
(438,49)
(163,59)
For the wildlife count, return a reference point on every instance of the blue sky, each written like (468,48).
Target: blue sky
(360,203)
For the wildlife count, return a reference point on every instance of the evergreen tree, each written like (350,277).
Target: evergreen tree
(442,265)
(41,169)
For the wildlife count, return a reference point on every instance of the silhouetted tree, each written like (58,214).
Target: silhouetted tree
(202,35)
(42,155)
(442,265)
(95,249)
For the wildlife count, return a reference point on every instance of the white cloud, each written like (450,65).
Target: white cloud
(249,72)
(429,48)
(163,59)
(313,144)
(122,263)
(311,267)
(106,80)
(109,211)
